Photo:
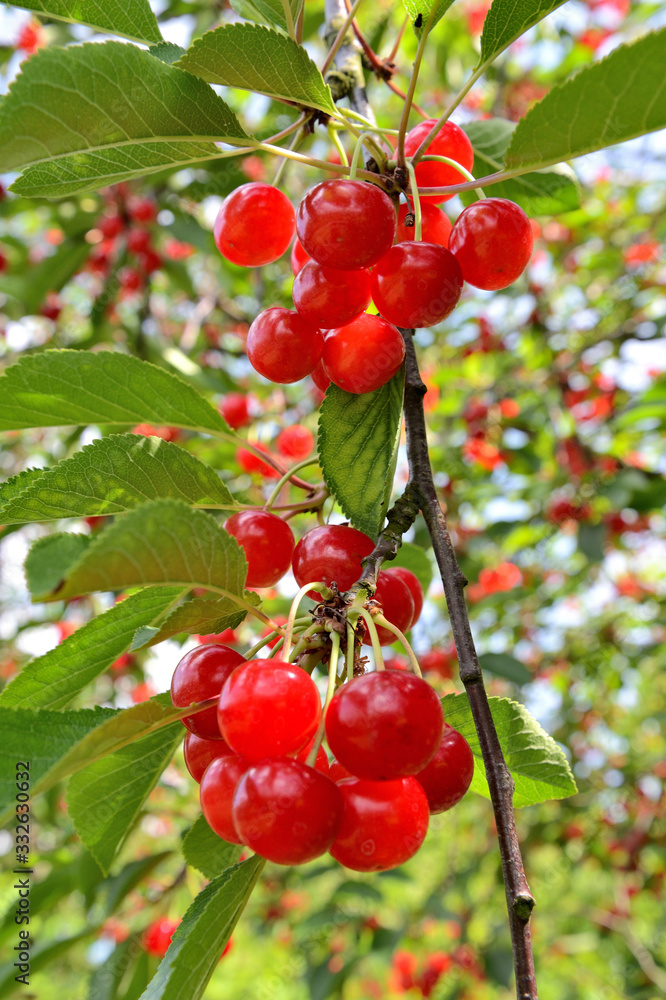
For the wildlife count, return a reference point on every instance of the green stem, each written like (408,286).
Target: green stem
(349,657)
(336,168)
(409,97)
(442,120)
(385,623)
(339,38)
(252,652)
(297,139)
(289,18)
(335,139)
(285,479)
(453,163)
(330,691)
(302,643)
(374,638)
(418,221)
(358,148)
(316,585)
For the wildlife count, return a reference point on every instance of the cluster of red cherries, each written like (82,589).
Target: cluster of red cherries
(267,782)
(346,256)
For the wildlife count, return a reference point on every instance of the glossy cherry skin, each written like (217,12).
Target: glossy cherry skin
(268,544)
(217,792)
(268,708)
(321,760)
(295,442)
(435,225)
(449,774)
(327,297)
(450,141)
(255,225)
(384,725)
(234,409)
(200,675)
(492,241)
(199,753)
(383,823)
(417,284)
(251,463)
(363,355)
(331,553)
(286,811)
(415,588)
(320,378)
(397,604)
(282,346)
(346,224)
(298,257)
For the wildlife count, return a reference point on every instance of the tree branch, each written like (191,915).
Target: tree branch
(347,79)
(519,898)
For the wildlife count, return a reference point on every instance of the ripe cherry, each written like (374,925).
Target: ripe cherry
(138,240)
(200,675)
(492,241)
(298,257)
(142,209)
(331,553)
(282,346)
(329,298)
(158,936)
(439,661)
(295,442)
(416,284)
(346,224)
(435,225)
(268,543)
(321,760)
(397,603)
(286,811)
(415,588)
(234,408)
(217,792)
(251,463)
(320,378)
(255,225)
(199,753)
(450,141)
(363,355)
(383,823)
(449,774)
(268,708)
(384,725)
(111,225)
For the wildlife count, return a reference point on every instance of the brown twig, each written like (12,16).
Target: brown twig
(347,79)
(519,898)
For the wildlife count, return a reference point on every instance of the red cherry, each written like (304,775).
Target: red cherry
(217,792)
(142,209)
(397,603)
(282,346)
(439,661)
(346,224)
(267,708)
(111,225)
(234,409)
(329,298)
(449,774)
(295,442)
(384,725)
(492,241)
(150,261)
(321,760)
(435,225)
(320,378)
(363,355)
(249,462)
(450,141)
(383,823)
(415,588)
(286,811)
(200,675)
(298,257)
(130,279)
(158,936)
(268,543)
(331,553)
(416,284)
(138,240)
(199,753)
(337,772)
(255,225)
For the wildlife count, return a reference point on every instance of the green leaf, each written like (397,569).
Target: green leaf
(414,558)
(591,539)
(50,275)
(129,18)
(548,193)
(58,744)
(650,406)
(616,99)
(41,956)
(50,558)
(12,487)
(503,665)
(54,679)
(538,766)
(107,977)
(114,889)
(202,935)
(66,388)
(162,542)
(199,616)
(167,52)
(358,447)
(267,11)
(509,19)
(104,798)
(114,475)
(208,853)
(81,117)
(424,8)
(253,57)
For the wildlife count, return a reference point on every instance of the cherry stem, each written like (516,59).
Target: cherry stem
(252,652)
(285,479)
(396,45)
(374,638)
(418,221)
(320,588)
(302,645)
(364,137)
(330,691)
(461,170)
(385,623)
(407,106)
(339,38)
(335,139)
(520,900)
(289,18)
(442,120)
(349,655)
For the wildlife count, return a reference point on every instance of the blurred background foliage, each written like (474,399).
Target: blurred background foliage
(546,410)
